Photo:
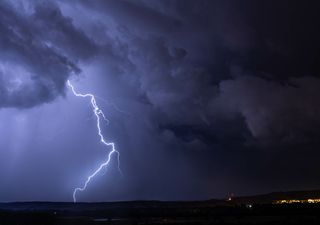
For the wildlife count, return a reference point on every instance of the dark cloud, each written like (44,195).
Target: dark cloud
(59,32)
(137,16)
(35,55)
(217,91)
(224,55)
(228,69)
(286,113)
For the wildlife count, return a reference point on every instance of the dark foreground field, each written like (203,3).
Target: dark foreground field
(209,212)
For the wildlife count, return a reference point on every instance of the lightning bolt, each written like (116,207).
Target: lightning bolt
(99,115)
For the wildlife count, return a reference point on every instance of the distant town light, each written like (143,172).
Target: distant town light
(291,201)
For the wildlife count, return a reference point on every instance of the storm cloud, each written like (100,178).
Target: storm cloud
(35,61)
(274,111)
(204,88)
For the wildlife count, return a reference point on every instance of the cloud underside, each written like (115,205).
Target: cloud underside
(197,66)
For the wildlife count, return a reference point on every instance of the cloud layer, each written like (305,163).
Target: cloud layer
(217,91)
(35,61)
(180,58)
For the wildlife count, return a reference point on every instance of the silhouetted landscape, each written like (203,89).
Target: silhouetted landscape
(261,209)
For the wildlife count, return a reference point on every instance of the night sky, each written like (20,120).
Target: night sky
(204,97)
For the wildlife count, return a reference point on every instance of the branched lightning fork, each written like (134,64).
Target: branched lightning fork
(99,114)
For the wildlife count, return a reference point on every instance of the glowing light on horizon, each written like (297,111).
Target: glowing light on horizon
(292,201)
